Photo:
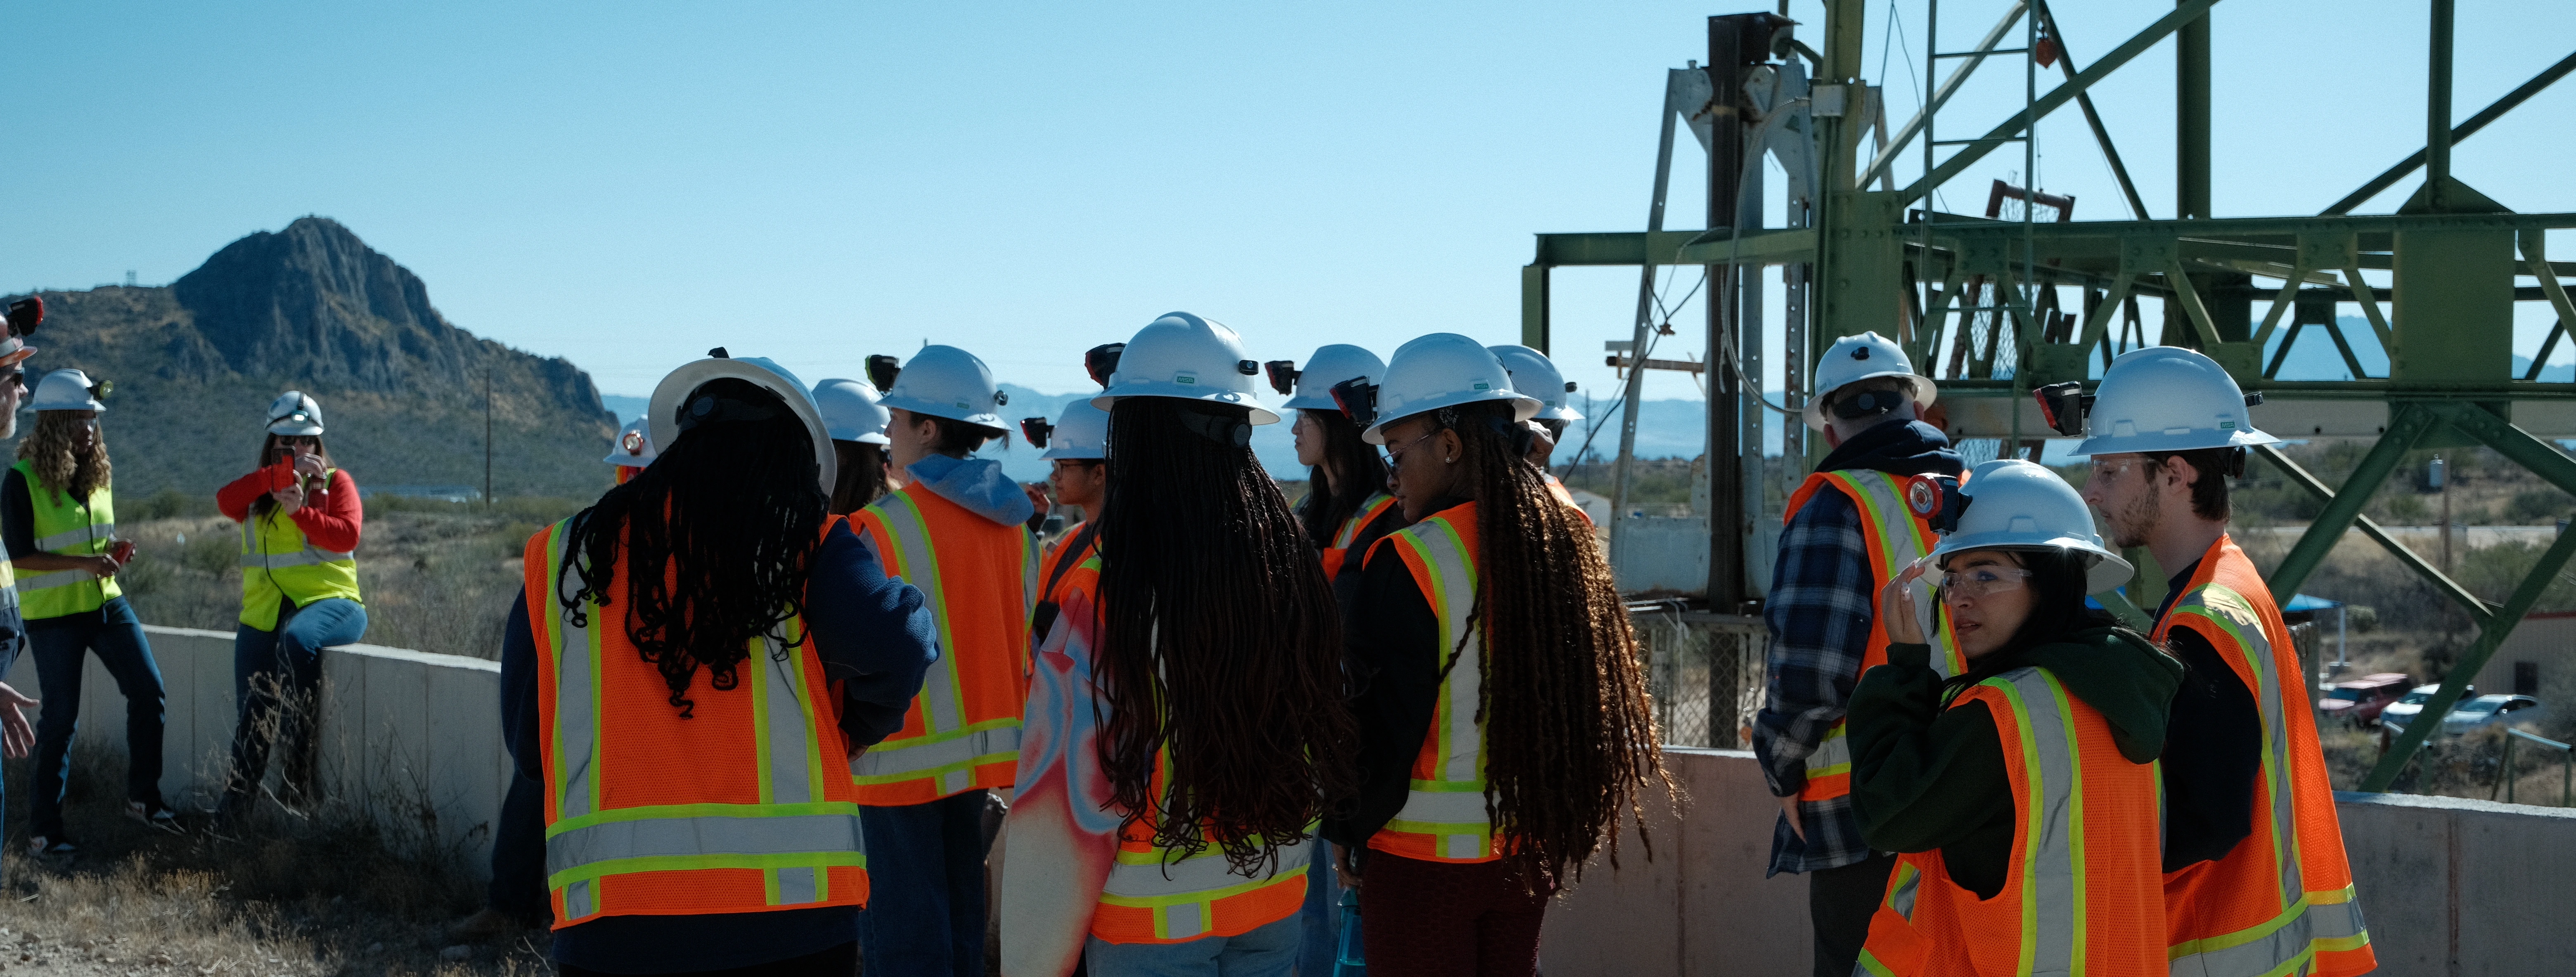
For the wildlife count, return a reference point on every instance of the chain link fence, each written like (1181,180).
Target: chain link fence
(1706,673)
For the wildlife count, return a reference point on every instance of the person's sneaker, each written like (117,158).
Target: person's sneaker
(487,924)
(41,846)
(154,814)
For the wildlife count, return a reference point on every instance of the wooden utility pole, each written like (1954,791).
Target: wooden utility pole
(487,437)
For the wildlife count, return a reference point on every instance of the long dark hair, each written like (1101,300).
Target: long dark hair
(48,449)
(718,536)
(1570,736)
(1363,473)
(2057,612)
(268,455)
(861,476)
(1220,645)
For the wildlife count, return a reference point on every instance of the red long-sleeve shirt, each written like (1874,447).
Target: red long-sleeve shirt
(331,519)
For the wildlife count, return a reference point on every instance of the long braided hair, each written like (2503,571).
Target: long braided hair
(48,450)
(1220,645)
(1329,502)
(718,535)
(1570,735)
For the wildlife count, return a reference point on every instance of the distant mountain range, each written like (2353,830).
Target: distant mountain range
(312,308)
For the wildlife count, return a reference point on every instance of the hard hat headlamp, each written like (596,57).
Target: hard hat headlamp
(1357,398)
(713,409)
(1283,376)
(1037,430)
(2066,407)
(632,443)
(1937,501)
(882,370)
(1102,362)
(100,389)
(25,315)
(1231,427)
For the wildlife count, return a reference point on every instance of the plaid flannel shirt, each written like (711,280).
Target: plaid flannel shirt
(1819,615)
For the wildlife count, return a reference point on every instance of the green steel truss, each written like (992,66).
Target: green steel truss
(2455,260)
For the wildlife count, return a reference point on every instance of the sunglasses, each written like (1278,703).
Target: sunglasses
(1958,585)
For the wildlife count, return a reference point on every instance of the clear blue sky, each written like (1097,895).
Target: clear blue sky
(628,184)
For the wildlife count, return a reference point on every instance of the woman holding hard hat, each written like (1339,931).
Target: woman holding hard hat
(1505,725)
(300,521)
(2021,792)
(858,426)
(1186,721)
(59,509)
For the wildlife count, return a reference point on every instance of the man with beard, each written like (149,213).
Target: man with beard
(2255,876)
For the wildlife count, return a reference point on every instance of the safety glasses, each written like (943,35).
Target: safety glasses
(1395,453)
(1958,585)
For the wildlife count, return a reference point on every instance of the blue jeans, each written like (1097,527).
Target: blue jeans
(1268,951)
(925,912)
(1319,920)
(277,676)
(60,644)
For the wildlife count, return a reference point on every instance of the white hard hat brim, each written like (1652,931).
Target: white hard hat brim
(1925,392)
(878,439)
(2108,571)
(1557,414)
(2193,440)
(1306,401)
(1072,453)
(690,376)
(1180,391)
(296,429)
(919,405)
(1524,407)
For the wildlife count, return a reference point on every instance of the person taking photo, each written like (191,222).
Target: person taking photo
(58,516)
(300,521)
(688,669)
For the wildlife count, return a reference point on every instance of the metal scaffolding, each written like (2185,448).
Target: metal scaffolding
(1887,261)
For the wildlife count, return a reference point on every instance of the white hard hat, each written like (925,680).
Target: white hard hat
(1083,432)
(1443,369)
(944,381)
(1536,375)
(2018,505)
(634,447)
(1331,365)
(1188,358)
(2167,398)
(293,413)
(851,411)
(65,390)
(675,392)
(1856,358)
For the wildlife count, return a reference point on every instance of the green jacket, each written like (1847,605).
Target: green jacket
(1926,776)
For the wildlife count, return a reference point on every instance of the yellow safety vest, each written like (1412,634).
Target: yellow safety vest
(277,563)
(65,527)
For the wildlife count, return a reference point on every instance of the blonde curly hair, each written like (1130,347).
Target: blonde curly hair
(48,449)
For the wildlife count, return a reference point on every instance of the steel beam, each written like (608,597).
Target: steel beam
(2191,118)
(2327,528)
(2093,117)
(2184,12)
(2458,135)
(2476,609)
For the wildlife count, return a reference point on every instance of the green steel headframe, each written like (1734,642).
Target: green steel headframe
(1880,263)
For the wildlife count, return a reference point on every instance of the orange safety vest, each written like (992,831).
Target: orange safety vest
(740,807)
(1896,539)
(979,579)
(1558,489)
(1055,557)
(2283,898)
(1160,895)
(1343,538)
(1444,816)
(2082,878)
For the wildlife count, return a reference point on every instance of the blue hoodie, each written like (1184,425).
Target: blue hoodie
(977,484)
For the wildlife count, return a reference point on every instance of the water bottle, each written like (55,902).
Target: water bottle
(1352,960)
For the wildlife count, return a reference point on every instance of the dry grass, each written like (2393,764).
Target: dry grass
(327,892)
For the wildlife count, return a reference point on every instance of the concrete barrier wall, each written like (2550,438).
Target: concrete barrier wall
(2450,888)
(412,738)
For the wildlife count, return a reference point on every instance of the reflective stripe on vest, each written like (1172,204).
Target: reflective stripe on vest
(803,824)
(1189,898)
(2299,925)
(1444,817)
(954,751)
(1338,555)
(2083,866)
(1895,539)
(64,527)
(279,565)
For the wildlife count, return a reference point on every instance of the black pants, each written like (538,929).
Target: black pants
(1839,903)
(839,961)
(518,886)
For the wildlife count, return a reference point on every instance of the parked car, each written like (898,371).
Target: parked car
(2397,714)
(2359,701)
(2490,710)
